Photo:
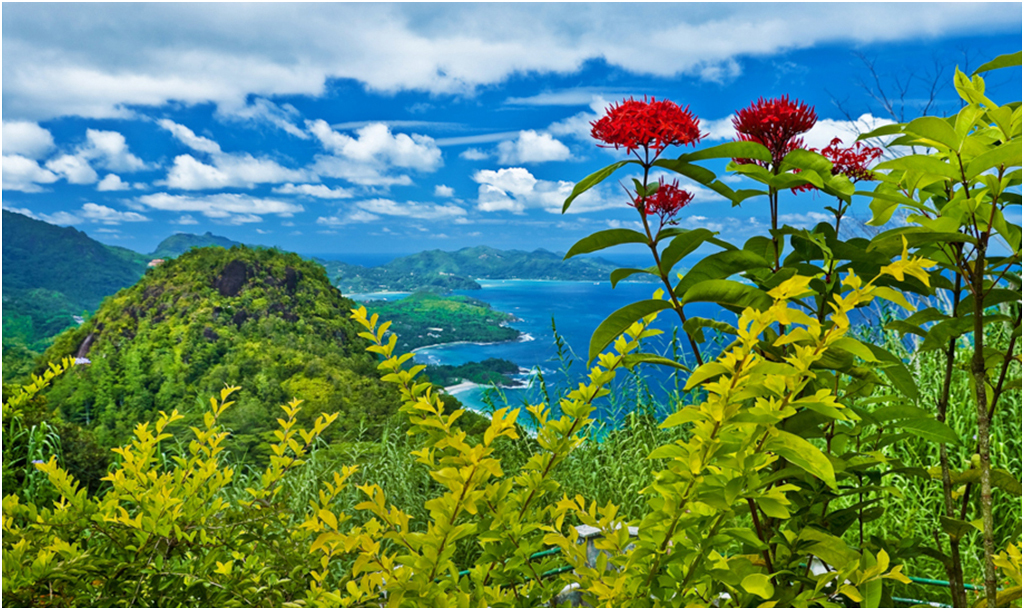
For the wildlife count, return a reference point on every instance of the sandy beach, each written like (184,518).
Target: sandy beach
(460,387)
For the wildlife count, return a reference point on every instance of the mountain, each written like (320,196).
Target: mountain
(261,319)
(180,243)
(441,271)
(52,273)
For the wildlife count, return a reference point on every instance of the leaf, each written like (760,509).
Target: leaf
(605,239)
(897,372)
(696,172)
(806,160)
(682,245)
(936,131)
(788,181)
(632,360)
(1008,155)
(620,274)
(954,527)
(1008,60)
(758,584)
(730,150)
(930,429)
(922,163)
(591,181)
(803,454)
(719,266)
(694,326)
(884,130)
(728,294)
(620,320)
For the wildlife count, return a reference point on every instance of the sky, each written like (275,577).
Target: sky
(380,128)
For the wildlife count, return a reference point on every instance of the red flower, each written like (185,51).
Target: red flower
(851,162)
(665,203)
(650,125)
(775,123)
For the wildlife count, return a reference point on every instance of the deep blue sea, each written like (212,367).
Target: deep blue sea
(575,309)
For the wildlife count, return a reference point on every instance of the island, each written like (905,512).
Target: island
(492,371)
(425,318)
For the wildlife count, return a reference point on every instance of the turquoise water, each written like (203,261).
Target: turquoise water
(577,308)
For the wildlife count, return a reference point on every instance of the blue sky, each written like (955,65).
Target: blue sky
(397,128)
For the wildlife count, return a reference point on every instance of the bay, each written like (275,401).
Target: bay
(574,309)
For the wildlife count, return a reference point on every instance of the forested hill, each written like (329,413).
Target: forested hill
(442,271)
(52,273)
(264,320)
(180,243)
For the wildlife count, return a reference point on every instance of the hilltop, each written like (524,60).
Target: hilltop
(180,243)
(264,320)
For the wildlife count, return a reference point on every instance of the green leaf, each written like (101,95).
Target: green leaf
(788,181)
(750,170)
(632,360)
(922,163)
(884,130)
(696,172)
(620,320)
(694,327)
(620,274)
(682,245)
(803,454)
(930,429)
(605,239)
(593,180)
(1008,60)
(730,150)
(727,293)
(938,132)
(758,584)
(955,527)
(806,160)
(720,265)
(897,372)
(938,336)
(1008,155)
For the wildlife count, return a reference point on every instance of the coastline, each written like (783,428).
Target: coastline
(522,338)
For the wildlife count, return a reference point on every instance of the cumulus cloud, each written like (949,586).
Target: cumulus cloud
(515,189)
(188,137)
(109,150)
(109,216)
(112,182)
(185,219)
(54,66)
(368,158)
(412,209)
(72,168)
(578,126)
(806,220)
(27,139)
(24,174)
(228,170)
(473,154)
(441,190)
(263,112)
(353,217)
(229,208)
(532,147)
(319,191)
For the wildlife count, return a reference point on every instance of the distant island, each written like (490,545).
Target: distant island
(424,319)
(491,371)
(442,272)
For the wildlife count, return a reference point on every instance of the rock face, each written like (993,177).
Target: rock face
(230,281)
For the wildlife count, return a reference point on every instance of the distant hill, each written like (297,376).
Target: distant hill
(52,273)
(261,319)
(441,271)
(180,243)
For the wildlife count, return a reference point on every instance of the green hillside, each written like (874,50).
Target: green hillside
(180,243)
(52,273)
(428,319)
(267,321)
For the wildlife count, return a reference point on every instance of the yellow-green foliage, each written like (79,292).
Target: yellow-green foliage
(170,535)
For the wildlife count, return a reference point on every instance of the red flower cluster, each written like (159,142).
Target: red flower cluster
(650,125)
(665,203)
(775,123)
(851,162)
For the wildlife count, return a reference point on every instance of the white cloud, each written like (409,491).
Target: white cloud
(411,209)
(229,208)
(806,220)
(368,158)
(72,168)
(263,111)
(578,126)
(532,147)
(73,63)
(185,219)
(187,137)
(109,150)
(473,154)
(112,182)
(228,170)
(353,217)
(27,139)
(319,191)
(515,189)
(718,129)
(109,216)
(24,174)
(818,137)
(441,190)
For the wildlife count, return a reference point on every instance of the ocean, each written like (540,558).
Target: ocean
(574,309)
